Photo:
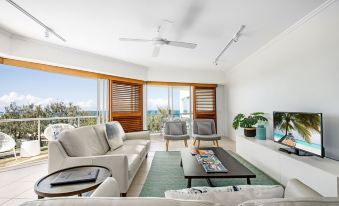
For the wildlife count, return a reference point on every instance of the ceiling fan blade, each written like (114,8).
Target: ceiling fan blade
(135,40)
(156,51)
(182,44)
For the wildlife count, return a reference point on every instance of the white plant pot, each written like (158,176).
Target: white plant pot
(30,148)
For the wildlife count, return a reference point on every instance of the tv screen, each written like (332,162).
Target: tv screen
(301,131)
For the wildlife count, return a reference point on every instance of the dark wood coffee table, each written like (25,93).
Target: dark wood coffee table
(194,170)
(43,186)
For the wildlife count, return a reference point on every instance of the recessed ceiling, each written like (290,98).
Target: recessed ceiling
(96,26)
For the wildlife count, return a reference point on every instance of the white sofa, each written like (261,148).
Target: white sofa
(88,146)
(296,194)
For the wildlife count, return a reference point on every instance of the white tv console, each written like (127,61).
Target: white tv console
(321,174)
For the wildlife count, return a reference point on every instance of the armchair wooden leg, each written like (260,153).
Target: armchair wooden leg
(194,142)
(217,143)
(185,142)
(167,142)
(213,142)
(198,143)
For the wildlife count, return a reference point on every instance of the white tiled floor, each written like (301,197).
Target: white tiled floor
(16,186)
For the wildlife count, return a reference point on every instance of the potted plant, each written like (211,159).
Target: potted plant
(248,122)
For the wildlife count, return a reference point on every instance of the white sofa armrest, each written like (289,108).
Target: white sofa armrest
(56,156)
(109,188)
(138,135)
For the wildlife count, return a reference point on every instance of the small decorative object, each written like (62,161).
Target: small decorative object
(261,132)
(248,122)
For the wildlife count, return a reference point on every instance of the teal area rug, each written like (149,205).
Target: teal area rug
(166,174)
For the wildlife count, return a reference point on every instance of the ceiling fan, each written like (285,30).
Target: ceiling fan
(159,41)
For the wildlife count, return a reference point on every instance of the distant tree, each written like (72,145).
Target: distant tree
(29,129)
(155,122)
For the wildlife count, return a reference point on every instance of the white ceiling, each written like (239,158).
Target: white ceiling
(96,25)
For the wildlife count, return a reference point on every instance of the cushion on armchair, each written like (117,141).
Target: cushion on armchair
(175,128)
(204,128)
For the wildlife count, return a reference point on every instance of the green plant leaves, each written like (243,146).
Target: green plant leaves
(249,121)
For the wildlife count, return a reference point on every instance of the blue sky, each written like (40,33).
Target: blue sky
(158,96)
(25,85)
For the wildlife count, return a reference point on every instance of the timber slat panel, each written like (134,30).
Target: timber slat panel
(204,103)
(126,105)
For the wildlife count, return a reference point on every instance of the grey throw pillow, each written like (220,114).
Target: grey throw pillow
(204,128)
(114,136)
(175,129)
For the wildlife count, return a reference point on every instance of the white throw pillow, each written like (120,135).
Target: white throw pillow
(113,135)
(228,196)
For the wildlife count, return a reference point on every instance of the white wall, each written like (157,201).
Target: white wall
(4,42)
(22,48)
(298,71)
(221,110)
(181,75)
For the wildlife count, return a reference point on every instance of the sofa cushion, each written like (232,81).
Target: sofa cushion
(305,201)
(129,149)
(233,195)
(113,201)
(204,128)
(113,135)
(81,142)
(175,128)
(137,142)
(100,130)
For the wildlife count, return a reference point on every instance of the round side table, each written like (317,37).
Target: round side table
(43,186)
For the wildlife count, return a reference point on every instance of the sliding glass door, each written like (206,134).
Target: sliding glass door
(167,103)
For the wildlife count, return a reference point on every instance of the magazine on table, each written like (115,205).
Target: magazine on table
(211,163)
(202,152)
(73,177)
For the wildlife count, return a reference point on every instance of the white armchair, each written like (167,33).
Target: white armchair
(7,143)
(53,131)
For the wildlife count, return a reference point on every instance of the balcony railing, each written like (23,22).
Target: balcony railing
(36,126)
(158,125)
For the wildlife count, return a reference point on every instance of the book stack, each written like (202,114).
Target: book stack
(202,152)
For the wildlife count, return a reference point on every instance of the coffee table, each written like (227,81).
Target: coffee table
(43,186)
(194,170)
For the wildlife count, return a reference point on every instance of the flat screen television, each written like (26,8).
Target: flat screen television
(302,132)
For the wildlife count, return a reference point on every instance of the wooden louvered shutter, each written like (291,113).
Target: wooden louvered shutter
(204,103)
(126,104)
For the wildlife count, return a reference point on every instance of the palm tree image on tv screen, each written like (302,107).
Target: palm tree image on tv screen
(299,130)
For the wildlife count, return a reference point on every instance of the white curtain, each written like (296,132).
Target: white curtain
(102,101)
